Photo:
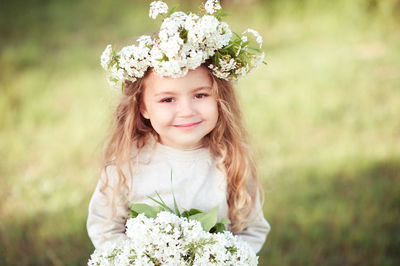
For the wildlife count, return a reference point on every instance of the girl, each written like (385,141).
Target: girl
(182,121)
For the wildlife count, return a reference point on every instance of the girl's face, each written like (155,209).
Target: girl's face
(181,110)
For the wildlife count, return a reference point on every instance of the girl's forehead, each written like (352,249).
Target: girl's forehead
(194,79)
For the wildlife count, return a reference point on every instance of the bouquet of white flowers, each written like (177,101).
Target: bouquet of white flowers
(156,235)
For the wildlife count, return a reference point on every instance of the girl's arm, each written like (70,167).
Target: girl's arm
(256,231)
(102,226)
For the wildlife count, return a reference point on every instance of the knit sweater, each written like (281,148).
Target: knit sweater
(196,183)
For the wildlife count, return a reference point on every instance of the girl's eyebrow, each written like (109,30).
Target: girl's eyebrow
(164,93)
(202,88)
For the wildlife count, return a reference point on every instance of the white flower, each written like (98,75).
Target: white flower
(106,57)
(169,27)
(114,83)
(179,17)
(194,59)
(171,46)
(171,68)
(156,8)
(212,6)
(156,55)
(225,34)
(260,59)
(256,34)
(208,24)
(145,40)
(117,72)
(218,73)
(241,72)
(226,65)
(191,21)
(134,59)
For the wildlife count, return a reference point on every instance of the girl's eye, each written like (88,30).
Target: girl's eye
(201,95)
(167,100)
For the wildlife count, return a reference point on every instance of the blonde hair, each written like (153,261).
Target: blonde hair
(227,142)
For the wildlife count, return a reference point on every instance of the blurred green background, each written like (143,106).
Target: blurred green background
(323,116)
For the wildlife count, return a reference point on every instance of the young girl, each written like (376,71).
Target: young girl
(179,116)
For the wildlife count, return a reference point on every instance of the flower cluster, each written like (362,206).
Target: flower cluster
(184,42)
(172,240)
(156,8)
(212,6)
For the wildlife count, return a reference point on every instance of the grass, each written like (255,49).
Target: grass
(322,116)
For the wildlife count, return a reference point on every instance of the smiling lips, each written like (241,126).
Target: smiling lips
(188,125)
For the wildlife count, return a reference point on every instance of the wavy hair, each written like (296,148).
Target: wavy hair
(227,142)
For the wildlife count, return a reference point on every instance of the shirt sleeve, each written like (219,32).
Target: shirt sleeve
(102,226)
(256,231)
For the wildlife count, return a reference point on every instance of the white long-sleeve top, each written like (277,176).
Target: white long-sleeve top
(196,183)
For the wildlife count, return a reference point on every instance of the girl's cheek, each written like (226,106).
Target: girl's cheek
(166,108)
(165,112)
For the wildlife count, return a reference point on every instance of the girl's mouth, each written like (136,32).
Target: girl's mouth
(188,125)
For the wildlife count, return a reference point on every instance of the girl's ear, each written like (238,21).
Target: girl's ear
(143,111)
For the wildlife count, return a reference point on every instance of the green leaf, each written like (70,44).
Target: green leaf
(225,221)
(175,204)
(228,46)
(164,204)
(247,61)
(220,14)
(191,212)
(134,213)
(161,203)
(223,14)
(217,57)
(255,49)
(147,210)
(183,33)
(218,228)
(158,202)
(207,220)
(172,10)
(165,58)
(237,35)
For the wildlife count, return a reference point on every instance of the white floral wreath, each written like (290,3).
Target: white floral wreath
(184,42)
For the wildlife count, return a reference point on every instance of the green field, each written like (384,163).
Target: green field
(323,116)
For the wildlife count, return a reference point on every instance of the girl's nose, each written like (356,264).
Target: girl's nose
(185,108)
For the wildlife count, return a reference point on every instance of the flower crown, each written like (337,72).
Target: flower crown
(184,42)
